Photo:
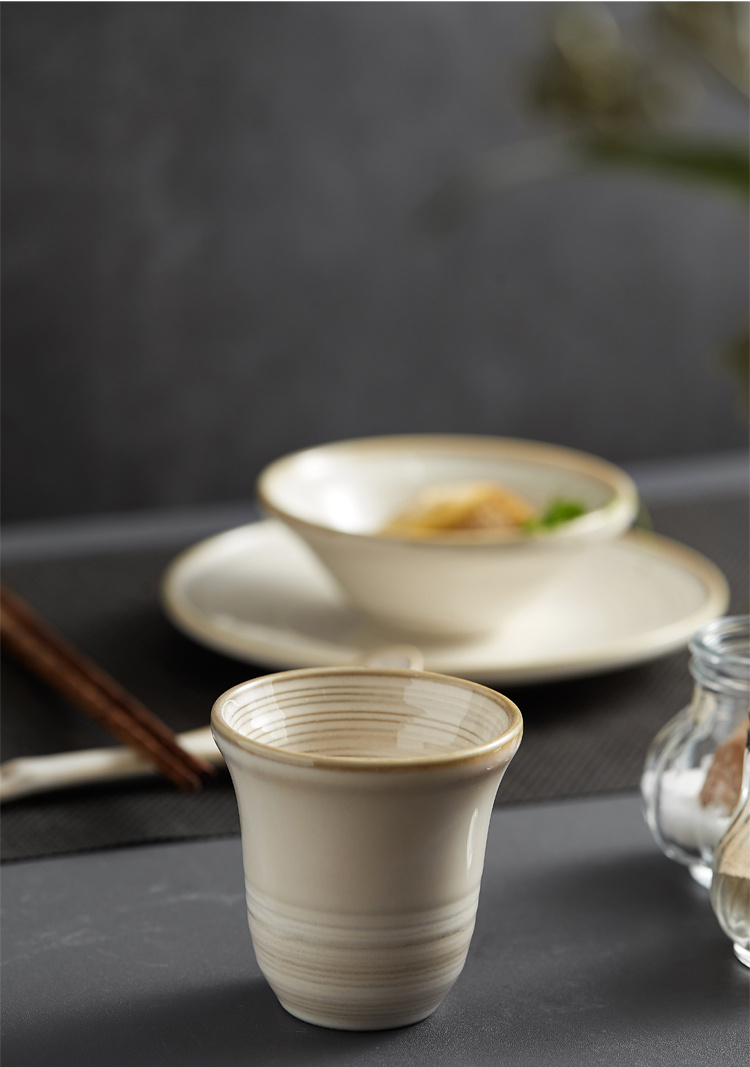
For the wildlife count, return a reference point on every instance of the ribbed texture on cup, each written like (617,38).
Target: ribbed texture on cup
(396,719)
(360,973)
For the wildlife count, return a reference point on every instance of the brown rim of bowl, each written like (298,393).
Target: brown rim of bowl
(513,733)
(624,491)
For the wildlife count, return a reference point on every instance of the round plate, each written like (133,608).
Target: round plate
(258,594)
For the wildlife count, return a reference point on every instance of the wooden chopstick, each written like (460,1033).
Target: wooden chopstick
(51,657)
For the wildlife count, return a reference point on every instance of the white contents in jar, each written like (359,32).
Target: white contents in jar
(682,817)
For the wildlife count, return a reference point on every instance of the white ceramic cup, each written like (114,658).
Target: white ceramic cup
(365,796)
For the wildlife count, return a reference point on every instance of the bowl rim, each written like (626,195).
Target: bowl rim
(511,736)
(620,510)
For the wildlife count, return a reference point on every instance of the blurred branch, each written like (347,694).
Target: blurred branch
(612,100)
(726,166)
(720,32)
(587,75)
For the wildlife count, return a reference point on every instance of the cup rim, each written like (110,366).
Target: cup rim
(511,736)
(622,506)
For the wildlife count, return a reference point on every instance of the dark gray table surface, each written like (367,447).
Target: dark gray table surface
(590,948)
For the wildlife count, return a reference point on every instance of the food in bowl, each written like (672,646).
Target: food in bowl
(477,506)
(340,497)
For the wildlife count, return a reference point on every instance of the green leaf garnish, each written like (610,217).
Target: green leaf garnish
(555,514)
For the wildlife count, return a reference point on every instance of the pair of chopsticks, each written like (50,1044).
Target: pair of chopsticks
(51,657)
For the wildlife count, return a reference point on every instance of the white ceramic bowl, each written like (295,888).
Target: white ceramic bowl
(337,497)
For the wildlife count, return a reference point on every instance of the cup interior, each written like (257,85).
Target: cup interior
(367,713)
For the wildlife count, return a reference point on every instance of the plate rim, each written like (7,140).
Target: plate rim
(625,652)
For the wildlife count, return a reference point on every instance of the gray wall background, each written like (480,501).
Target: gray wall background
(209,258)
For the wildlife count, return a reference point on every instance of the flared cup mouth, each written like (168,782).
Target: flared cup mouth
(367,718)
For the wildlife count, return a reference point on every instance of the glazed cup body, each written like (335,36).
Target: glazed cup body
(365,796)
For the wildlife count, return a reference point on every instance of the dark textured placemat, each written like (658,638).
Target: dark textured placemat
(582,736)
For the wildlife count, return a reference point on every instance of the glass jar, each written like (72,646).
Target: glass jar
(730,889)
(692,777)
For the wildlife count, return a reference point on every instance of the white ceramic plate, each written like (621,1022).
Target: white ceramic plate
(258,594)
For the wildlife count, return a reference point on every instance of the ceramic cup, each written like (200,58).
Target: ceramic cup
(365,796)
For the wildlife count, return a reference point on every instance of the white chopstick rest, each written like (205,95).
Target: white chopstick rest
(40,774)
